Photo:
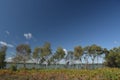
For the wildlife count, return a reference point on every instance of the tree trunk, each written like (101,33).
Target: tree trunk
(81,65)
(93,64)
(97,62)
(24,65)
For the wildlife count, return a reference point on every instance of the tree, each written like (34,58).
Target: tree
(46,51)
(113,58)
(106,52)
(16,59)
(3,50)
(53,58)
(78,52)
(23,51)
(36,53)
(69,57)
(86,55)
(60,53)
(94,51)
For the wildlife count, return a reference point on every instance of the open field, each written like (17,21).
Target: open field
(61,74)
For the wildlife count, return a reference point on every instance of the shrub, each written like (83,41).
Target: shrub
(13,67)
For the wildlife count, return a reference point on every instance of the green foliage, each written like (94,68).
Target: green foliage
(46,49)
(23,49)
(105,51)
(23,52)
(78,52)
(113,58)
(94,51)
(36,52)
(13,67)
(2,57)
(60,53)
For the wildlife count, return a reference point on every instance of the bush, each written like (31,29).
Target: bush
(13,67)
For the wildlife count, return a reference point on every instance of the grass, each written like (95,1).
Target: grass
(61,74)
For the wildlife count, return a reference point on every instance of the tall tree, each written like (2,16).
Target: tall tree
(2,57)
(86,56)
(46,51)
(78,52)
(60,53)
(94,52)
(23,51)
(36,54)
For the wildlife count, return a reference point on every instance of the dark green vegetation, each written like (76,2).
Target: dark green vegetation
(2,57)
(44,54)
(113,58)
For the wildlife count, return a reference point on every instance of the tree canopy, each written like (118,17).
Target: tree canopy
(23,52)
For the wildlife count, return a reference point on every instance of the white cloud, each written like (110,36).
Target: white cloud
(65,52)
(28,35)
(3,43)
(7,32)
(6,44)
(9,59)
(115,42)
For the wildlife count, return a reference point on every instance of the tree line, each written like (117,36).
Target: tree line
(44,53)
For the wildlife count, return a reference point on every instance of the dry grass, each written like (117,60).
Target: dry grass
(61,74)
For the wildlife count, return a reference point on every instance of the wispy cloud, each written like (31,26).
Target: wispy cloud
(116,42)
(7,32)
(6,44)
(10,45)
(28,35)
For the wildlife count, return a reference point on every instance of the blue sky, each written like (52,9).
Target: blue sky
(65,23)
